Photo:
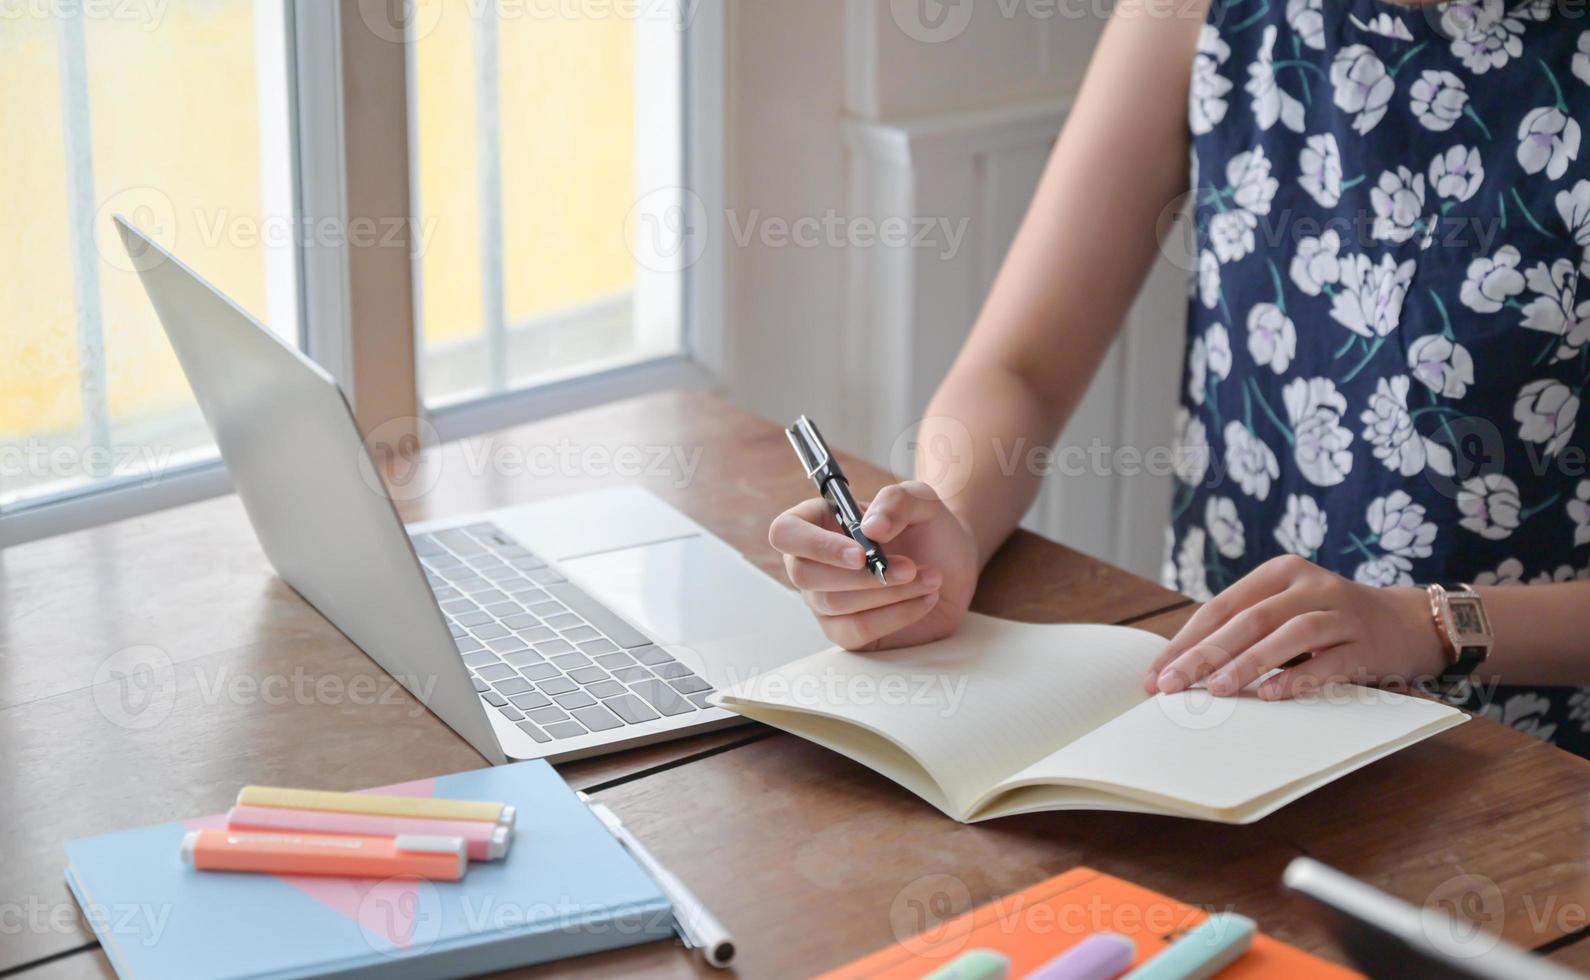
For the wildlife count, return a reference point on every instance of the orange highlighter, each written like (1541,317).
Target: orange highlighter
(413,855)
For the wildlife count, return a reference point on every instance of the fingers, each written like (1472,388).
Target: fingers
(860,600)
(860,630)
(897,507)
(1310,632)
(815,576)
(1231,640)
(807,530)
(1269,579)
(1330,667)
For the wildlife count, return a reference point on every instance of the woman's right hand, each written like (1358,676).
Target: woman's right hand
(932,571)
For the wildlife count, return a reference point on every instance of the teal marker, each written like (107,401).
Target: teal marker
(976,964)
(1202,952)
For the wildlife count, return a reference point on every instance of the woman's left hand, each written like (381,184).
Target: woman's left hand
(1290,607)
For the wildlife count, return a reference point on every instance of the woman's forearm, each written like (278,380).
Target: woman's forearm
(1542,634)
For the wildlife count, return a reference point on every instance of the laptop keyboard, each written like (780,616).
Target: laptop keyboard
(541,652)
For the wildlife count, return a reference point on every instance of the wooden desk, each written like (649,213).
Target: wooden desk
(809,859)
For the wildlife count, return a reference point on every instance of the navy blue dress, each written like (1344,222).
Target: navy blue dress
(1389,326)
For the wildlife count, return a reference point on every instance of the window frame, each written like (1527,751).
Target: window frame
(346,318)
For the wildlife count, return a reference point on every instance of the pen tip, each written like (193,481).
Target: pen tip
(878,570)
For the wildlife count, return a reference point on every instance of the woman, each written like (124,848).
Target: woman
(1388,346)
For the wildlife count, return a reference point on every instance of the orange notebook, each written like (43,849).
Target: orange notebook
(1034,926)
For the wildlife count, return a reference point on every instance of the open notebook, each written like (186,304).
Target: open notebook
(1006,718)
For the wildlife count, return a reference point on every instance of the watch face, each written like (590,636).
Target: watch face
(1467,617)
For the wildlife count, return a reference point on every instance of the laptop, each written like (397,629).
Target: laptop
(558,629)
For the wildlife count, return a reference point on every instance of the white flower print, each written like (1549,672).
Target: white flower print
(1525,712)
(1167,570)
(1385,571)
(1389,429)
(1190,454)
(1489,505)
(1272,337)
(1314,409)
(1208,279)
(1231,234)
(1362,86)
(1437,99)
(1546,412)
(1385,25)
(1303,526)
(1307,20)
(1190,575)
(1442,365)
(1225,526)
(1579,513)
(1399,525)
(1553,310)
(1548,139)
(1370,300)
(1249,461)
(1249,175)
(1509,572)
(1207,98)
(1320,169)
(1579,701)
(1574,207)
(1198,371)
(1581,58)
(1457,173)
(1217,344)
(1562,573)
(1270,101)
(1484,34)
(1316,263)
(1398,200)
(1491,282)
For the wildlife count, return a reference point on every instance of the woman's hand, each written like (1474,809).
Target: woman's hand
(932,568)
(1290,607)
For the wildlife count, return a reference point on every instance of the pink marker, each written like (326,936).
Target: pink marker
(484,841)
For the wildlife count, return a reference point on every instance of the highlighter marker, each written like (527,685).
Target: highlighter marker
(436,858)
(484,841)
(421,807)
(976,964)
(1202,952)
(1101,956)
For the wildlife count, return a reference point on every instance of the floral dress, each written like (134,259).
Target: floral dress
(1389,325)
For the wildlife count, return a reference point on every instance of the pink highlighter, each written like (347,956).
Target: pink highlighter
(484,841)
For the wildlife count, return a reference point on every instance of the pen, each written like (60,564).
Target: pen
(698,927)
(437,858)
(824,471)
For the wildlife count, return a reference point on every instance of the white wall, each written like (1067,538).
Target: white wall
(866,111)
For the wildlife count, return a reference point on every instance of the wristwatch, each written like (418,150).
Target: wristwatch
(1466,635)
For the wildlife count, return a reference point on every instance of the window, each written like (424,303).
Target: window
(544,134)
(556,253)
(102,116)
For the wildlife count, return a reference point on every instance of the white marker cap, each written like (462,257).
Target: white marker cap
(501,837)
(190,840)
(509,812)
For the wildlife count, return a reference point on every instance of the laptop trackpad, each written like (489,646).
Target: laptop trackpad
(696,592)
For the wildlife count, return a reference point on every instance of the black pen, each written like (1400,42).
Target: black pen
(824,470)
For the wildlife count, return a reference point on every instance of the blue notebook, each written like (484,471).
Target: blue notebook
(566,888)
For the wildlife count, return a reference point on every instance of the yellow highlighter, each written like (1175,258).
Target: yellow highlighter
(423,807)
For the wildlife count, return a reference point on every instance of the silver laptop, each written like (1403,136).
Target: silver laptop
(556,630)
